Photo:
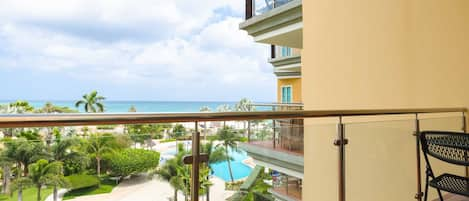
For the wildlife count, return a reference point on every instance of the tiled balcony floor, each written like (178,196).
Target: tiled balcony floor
(269,145)
(452,197)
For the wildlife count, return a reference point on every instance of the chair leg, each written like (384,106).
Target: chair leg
(439,194)
(426,189)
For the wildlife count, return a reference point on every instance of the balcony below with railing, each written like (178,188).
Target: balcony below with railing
(276,22)
(287,188)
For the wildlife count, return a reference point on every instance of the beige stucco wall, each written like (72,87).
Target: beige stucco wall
(379,54)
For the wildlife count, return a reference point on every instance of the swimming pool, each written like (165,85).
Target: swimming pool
(240,170)
(220,170)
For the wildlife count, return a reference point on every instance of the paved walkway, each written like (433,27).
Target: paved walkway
(142,189)
(60,194)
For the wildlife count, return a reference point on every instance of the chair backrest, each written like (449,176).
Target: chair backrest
(451,147)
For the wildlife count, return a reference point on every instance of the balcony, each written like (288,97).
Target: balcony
(286,62)
(287,188)
(277,22)
(354,155)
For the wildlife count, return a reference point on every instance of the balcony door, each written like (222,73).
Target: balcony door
(287,94)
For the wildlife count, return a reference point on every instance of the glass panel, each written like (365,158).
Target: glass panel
(320,161)
(262,6)
(381,157)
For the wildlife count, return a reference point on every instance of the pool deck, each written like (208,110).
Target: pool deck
(143,189)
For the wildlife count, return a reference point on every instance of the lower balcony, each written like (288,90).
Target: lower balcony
(287,188)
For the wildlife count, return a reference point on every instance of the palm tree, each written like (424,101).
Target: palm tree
(205,109)
(245,105)
(169,171)
(98,146)
(24,152)
(132,109)
(56,180)
(69,150)
(229,140)
(92,102)
(5,163)
(224,108)
(19,184)
(42,171)
(216,155)
(20,107)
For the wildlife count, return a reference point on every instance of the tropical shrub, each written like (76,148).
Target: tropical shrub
(80,181)
(132,161)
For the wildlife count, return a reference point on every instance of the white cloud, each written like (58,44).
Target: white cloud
(198,53)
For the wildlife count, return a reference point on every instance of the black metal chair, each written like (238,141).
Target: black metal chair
(450,147)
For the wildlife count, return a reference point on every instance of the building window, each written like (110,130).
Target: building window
(286,94)
(286,51)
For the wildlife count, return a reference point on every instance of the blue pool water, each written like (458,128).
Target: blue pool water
(220,170)
(240,170)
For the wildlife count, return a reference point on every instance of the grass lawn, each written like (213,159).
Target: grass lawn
(105,187)
(29,194)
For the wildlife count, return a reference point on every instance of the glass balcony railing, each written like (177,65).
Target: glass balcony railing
(263,6)
(354,155)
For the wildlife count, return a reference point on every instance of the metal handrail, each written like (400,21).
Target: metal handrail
(44,120)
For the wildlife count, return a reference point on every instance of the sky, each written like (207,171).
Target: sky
(130,50)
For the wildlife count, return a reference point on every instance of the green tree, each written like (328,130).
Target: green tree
(245,105)
(92,102)
(6,164)
(18,185)
(51,108)
(31,135)
(25,152)
(215,155)
(169,171)
(56,181)
(178,131)
(224,108)
(229,139)
(70,153)
(41,171)
(97,147)
(20,106)
(205,109)
(132,109)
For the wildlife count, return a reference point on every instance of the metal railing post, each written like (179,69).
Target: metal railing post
(419,193)
(272,52)
(249,9)
(341,141)
(464,122)
(464,129)
(195,163)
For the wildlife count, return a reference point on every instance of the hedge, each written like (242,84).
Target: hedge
(252,178)
(262,197)
(133,161)
(80,181)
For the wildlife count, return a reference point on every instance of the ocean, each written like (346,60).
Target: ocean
(144,106)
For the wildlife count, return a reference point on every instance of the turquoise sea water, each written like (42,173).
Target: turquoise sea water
(144,106)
